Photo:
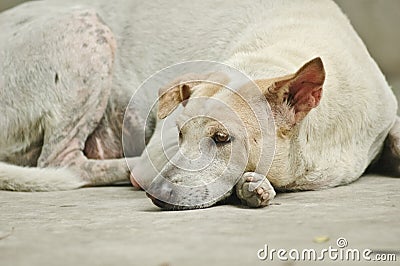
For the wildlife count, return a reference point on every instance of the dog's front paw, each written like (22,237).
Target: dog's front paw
(254,190)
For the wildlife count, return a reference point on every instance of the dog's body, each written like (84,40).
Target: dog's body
(68,71)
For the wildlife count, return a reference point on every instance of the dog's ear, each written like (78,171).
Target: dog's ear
(301,91)
(180,90)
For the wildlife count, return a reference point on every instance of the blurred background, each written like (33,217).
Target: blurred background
(376,21)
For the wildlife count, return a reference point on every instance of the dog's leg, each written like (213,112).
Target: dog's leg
(65,89)
(389,162)
(83,81)
(254,190)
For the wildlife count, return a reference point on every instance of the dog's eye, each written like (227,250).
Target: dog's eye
(220,137)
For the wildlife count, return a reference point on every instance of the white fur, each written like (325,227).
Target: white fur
(37,179)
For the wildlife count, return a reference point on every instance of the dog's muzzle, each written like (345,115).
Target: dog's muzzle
(170,196)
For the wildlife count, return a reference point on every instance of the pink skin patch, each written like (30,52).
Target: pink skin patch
(134,182)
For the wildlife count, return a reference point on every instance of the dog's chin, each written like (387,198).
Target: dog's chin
(172,207)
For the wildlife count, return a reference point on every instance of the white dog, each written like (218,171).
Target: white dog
(67,72)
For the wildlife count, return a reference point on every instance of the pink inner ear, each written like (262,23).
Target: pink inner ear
(306,97)
(306,90)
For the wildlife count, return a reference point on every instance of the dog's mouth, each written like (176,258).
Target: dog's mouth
(174,195)
(171,207)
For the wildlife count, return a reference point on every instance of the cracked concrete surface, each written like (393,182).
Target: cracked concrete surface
(120,226)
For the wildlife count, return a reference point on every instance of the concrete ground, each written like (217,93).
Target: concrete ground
(120,226)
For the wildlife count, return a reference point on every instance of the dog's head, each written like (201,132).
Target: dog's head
(226,129)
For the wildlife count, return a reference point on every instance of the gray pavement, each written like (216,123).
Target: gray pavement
(120,226)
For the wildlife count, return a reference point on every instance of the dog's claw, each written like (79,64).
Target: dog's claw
(255,180)
(265,196)
(255,190)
